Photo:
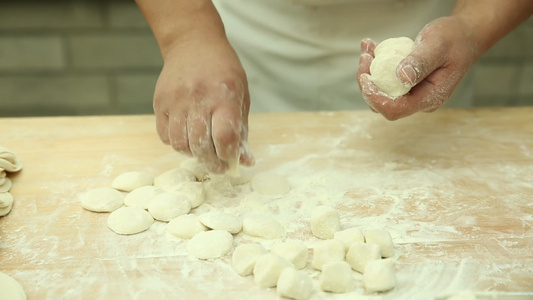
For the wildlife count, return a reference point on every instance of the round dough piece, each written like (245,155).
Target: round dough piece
(326,252)
(129,220)
(379,276)
(6,200)
(360,254)
(6,186)
(10,288)
(294,284)
(245,256)
(194,191)
(142,196)
(129,181)
(268,268)
(185,226)
(271,184)
(350,236)
(170,180)
(210,244)
(325,221)
(101,200)
(217,219)
(166,206)
(383,239)
(262,226)
(295,251)
(401,46)
(383,75)
(336,277)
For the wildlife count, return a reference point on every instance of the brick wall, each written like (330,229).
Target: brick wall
(99,57)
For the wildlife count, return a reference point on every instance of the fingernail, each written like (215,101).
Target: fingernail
(409,75)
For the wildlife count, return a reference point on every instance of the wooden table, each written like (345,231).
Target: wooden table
(454,188)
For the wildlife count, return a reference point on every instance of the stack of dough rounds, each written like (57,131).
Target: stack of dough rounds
(9,163)
(388,54)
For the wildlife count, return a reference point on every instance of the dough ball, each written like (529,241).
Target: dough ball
(262,226)
(6,203)
(185,226)
(359,254)
(10,288)
(295,251)
(325,221)
(141,197)
(210,244)
(272,184)
(217,219)
(379,276)
(171,179)
(383,75)
(129,220)
(195,167)
(326,252)
(336,277)
(383,239)
(6,186)
(129,181)
(244,258)
(349,236)
(101,200)
(268,268)
(194,191)
(166,206)
(400,46)
(294,284)
(6,199)
(9,161)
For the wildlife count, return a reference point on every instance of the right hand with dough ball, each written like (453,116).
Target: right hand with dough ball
(441,57)
(201,103)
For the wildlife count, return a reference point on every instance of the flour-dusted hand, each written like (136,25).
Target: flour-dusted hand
(201,100)
(444,51)
(440,59)
(201,104)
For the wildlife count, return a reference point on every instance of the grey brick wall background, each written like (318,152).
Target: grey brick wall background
(99,57)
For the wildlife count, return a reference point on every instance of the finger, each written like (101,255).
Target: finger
(364,67)
(201,143)
(428,54)
(177,132)
(368,46)
(161,124)
(226,125)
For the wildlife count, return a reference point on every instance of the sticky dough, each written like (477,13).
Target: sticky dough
(101,200)
(210,244)
(388,54)
(129,220)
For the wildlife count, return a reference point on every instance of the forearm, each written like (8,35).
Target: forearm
(174,21)
(490,20)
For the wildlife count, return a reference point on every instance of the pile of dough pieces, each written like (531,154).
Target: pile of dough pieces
(171,197)
(337,256)
(387,55)
(8,163)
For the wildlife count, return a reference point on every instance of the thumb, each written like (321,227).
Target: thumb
(427,56)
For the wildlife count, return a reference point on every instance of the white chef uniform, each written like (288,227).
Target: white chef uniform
(303,54)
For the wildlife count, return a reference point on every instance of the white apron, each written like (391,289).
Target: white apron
(304,54)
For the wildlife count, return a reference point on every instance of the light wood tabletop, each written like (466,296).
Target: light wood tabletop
(454,188)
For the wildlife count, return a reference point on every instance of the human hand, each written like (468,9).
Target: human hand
(201,103)
(442,55)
